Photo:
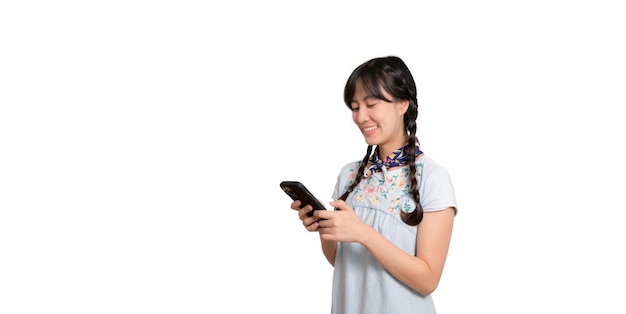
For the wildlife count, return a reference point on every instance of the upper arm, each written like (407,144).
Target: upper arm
(433,239)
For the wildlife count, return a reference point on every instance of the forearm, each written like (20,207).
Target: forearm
(329,248)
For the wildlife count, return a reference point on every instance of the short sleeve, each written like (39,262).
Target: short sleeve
(436,189)
(345,178)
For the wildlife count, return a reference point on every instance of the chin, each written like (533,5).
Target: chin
(371,141)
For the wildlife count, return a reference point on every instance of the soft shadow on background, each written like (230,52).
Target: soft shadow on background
(142,145)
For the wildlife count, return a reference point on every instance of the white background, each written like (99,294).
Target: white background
(142,144)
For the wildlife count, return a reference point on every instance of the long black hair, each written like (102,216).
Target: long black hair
(393,76)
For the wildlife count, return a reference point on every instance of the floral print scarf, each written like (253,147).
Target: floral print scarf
(397,158)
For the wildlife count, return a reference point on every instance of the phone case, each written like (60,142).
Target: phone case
(297,191)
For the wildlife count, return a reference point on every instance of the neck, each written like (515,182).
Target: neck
(388,148)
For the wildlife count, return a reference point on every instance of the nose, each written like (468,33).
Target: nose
(360,115)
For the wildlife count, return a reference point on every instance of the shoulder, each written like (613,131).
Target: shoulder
(431,174)
(430,168)
(436,186)
(430,164)
(346,176)
(351,167)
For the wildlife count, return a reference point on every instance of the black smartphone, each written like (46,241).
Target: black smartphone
(297,191)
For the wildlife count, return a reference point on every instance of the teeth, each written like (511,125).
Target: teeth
(370,128)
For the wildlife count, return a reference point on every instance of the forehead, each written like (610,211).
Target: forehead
(369,91)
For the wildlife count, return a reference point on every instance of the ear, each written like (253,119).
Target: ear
(403,106)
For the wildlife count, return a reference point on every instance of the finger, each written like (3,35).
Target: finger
(313,226)
(340,205)
(295,205)
(304,212)
(308,221)
(323,214)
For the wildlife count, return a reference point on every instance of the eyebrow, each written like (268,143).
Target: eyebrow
(368,97)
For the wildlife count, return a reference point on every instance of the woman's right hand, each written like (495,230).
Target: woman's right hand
(310,223)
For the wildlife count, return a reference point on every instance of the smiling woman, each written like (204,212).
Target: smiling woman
(142,143)
(381,263)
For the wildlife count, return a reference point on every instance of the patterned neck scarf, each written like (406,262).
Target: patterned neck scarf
(397,158)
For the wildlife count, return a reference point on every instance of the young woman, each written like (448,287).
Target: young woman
(389,234)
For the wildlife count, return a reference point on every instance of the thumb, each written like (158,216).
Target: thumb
(341,205)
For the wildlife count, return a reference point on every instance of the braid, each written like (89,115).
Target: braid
(359,174)
(415,217)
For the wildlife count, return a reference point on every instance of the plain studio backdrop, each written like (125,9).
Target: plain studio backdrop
(142,144)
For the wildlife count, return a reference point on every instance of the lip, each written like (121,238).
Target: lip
(368,130)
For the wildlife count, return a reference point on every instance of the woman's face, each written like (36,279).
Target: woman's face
(381,122)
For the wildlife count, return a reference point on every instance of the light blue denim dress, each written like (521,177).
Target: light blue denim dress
(360,284)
